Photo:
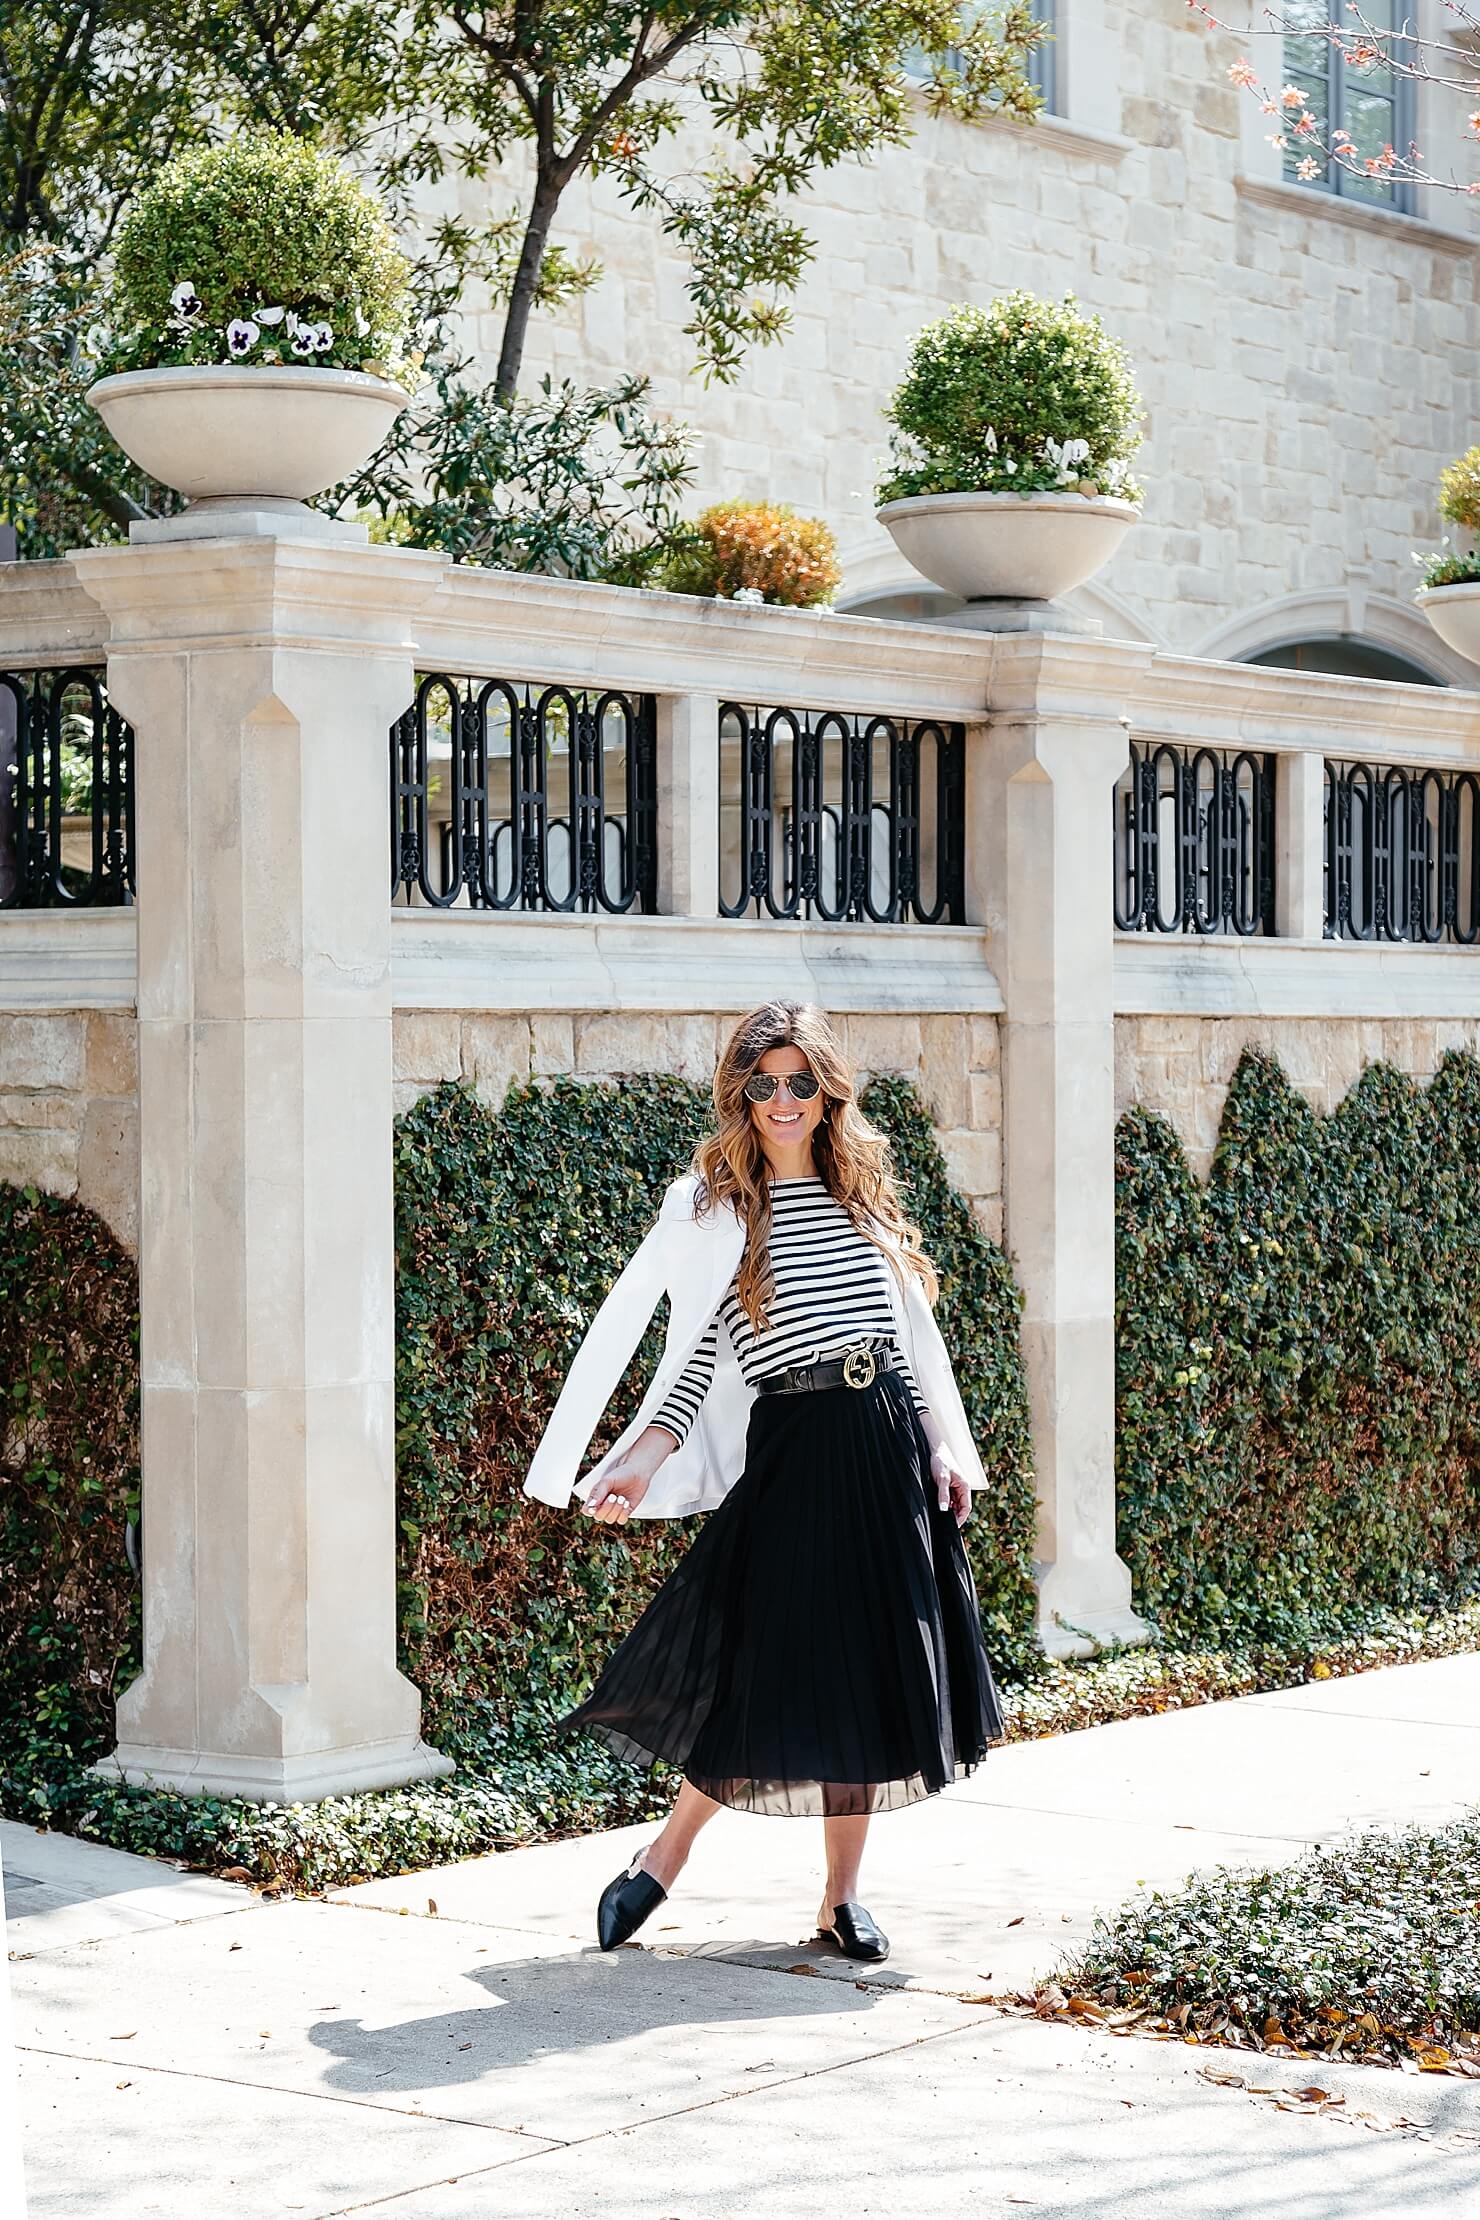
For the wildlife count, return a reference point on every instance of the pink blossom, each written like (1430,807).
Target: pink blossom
(1307,169)
(1292,97)
(1243,74)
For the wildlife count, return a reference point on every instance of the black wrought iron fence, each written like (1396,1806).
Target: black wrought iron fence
(1194,841)
(66,792)
(837,816)
(508,796)
(1402,858)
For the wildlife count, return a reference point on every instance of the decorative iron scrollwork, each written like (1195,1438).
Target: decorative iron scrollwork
(507,796)
(66,792)
(821,816)
(1194,841)
(1402,859)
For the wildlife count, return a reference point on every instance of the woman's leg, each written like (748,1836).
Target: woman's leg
(666,1854)
(845,1837)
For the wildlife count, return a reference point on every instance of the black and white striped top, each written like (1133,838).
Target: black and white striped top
(832,1288)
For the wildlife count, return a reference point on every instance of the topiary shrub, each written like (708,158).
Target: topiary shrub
(1459,500)
(1298,1423)
(758,551)
(69,1478)
(262,250)
(1027,396)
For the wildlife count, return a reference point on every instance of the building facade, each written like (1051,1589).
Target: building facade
(1306,351)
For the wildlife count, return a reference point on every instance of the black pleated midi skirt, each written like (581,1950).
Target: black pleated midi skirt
(818,1650)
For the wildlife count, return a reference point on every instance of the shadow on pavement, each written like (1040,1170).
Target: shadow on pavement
(549,2008)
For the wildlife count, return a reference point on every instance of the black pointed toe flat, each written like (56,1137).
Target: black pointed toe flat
(625,1903)
(855,1934)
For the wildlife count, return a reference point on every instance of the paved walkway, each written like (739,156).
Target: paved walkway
(454,2045)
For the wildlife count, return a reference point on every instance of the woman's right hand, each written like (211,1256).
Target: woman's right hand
(623,1485)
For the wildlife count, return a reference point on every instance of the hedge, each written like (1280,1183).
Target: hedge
(1299,1358)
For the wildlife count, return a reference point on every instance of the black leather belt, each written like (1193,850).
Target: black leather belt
(857,1365)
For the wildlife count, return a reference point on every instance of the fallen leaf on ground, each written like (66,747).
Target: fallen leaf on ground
(234,1873)
(128,2038)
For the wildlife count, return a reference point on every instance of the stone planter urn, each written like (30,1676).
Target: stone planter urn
(1454,613)
(238,439)
(1008,555)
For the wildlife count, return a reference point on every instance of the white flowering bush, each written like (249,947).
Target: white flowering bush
(1027,396)
(1459,500)
(259,251)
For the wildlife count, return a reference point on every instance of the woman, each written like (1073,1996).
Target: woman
(818,1649)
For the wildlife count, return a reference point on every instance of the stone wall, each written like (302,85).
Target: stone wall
(1181,1066)
(1308,364)
(69,1110)
(69,1090)
(953,1060)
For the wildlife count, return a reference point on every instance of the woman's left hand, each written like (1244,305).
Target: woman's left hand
(951,1489)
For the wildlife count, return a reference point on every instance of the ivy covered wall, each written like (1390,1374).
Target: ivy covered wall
(1298,1422)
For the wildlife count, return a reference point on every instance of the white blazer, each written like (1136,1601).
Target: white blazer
(693,1259)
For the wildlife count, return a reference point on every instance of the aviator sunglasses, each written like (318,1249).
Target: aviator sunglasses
(800,1085)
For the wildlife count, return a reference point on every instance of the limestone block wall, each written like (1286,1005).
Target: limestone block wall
(1308,363)
(69,1110)
(954,1060)
(1181,1066)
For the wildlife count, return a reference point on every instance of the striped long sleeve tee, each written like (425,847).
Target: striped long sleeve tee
(832,1288)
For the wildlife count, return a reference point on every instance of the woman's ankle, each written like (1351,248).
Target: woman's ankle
(663,1861)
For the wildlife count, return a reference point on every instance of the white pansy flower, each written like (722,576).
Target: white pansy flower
(242,335)
(1010,467)
(991,440)
(271,315)
(323,337)
(184,299)
(1076,450)
(362,324)
(302,341)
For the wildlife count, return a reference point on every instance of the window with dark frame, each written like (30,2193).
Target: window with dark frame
(1374,104)
(1042,65)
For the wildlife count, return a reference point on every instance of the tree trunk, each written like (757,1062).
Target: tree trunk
(526,282)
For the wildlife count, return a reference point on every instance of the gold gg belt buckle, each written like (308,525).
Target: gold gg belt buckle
(859,1367)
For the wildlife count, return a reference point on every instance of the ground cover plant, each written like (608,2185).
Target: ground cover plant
(1370,1949)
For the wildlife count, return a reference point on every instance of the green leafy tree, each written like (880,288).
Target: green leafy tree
(519,100)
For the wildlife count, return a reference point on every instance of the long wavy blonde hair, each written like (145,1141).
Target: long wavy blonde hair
(852,1155)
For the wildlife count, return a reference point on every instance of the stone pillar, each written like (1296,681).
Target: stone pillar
(688,805)
(1055,743)
(261,676)
(1300,846)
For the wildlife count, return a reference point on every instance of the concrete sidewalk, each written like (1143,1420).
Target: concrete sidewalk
(190,2050)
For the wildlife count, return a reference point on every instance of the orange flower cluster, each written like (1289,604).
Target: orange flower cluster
(762,547)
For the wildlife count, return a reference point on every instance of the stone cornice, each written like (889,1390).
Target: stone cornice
(1246,705)
(555,629)
(445,961)
(1183,975)
(267,593)
(46,617)
(1389,224)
